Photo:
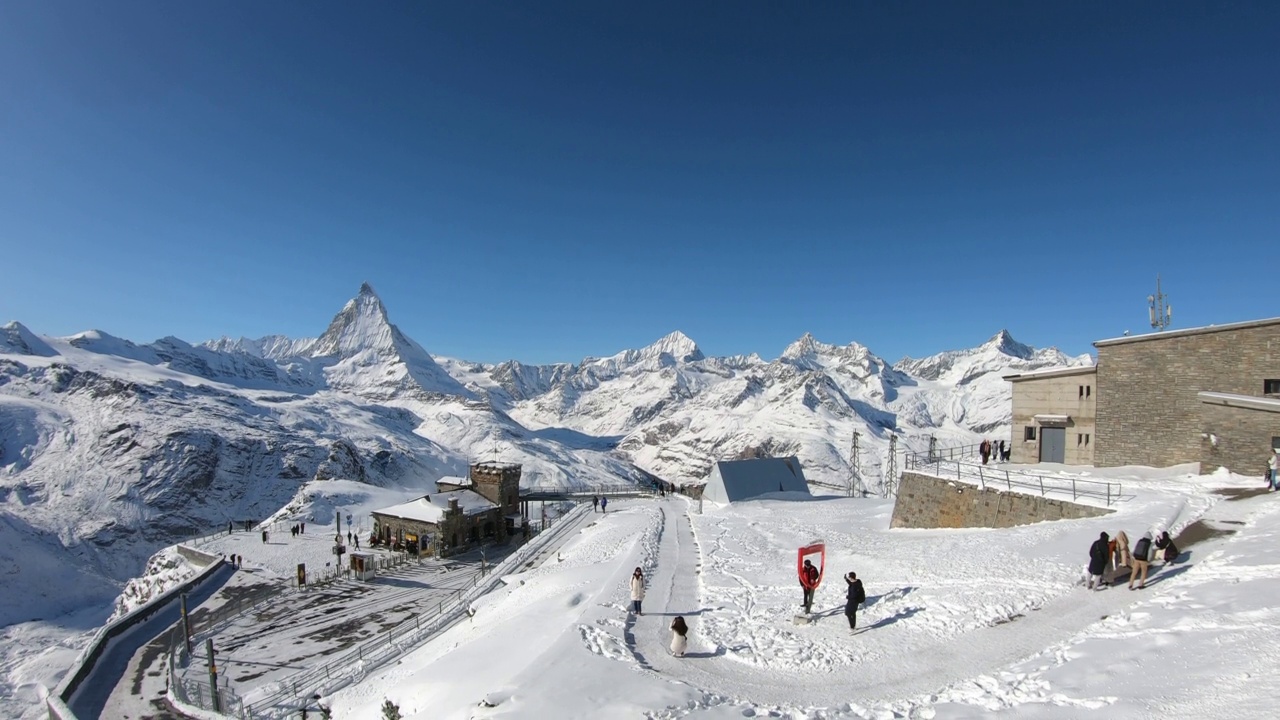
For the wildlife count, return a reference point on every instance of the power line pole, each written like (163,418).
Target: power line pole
(891,480)
(855,481)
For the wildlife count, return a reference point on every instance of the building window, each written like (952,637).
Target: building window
(1081,391)
(1029,432)
(1088,390)
(1271,387)
(1086,438)
(1079,438)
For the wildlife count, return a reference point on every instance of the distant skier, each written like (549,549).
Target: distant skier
(1099,559)
(1141,556)
(855,597)
(679,636)
(809,584)
(1165,543)
(637,591)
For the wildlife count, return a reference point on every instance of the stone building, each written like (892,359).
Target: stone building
(1053,415)
(463,512)
(1208,395)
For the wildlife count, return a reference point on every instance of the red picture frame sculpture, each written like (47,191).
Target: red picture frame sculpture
(818,548)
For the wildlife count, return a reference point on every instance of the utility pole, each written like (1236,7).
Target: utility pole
(186,624)
(891,480)
(855,482)
(213,677)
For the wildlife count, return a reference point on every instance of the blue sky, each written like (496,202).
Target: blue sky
(549,181)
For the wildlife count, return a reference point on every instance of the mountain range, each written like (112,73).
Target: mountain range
(110,450)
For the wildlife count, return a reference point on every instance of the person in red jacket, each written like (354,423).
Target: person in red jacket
(809,583)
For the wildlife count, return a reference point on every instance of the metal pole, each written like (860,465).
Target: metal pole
(186,624)
(213,676)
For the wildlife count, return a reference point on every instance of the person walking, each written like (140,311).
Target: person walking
(264,536)
(985,450)
(679,636)
(595,503)
(1141,554)
(1273,470)
(229,527)
(808,583)
(1099,559)
(855,596)
(1165,543)
(637,591)
(604,504)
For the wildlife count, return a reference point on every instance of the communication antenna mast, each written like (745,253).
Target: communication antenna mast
(1158,308)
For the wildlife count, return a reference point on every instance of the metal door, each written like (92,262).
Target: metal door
(1053,444)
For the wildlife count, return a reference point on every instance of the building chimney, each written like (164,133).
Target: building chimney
(453,505)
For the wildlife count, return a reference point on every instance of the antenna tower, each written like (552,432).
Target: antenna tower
(1158,309)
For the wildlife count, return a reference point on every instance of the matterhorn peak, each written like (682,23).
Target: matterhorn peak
(678,345)
(362,324)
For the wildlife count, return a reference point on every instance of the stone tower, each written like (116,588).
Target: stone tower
(500,483)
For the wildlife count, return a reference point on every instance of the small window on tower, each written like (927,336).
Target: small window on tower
(1271,387)
(1081,391)
(1029,432)
(1088,390)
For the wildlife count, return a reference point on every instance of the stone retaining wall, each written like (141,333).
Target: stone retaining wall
(925,501)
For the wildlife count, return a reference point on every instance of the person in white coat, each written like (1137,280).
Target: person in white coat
(637,591)
(679,636)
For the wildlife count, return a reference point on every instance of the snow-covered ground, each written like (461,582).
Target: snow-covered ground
(958,623)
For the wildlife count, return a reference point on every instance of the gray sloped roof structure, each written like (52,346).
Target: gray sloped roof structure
(731,481)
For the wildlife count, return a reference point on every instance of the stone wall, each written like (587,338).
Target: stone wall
(925,501)
(1239,439)
(1150,413)
(1074,395)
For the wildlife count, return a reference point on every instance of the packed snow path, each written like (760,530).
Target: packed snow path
(839,665)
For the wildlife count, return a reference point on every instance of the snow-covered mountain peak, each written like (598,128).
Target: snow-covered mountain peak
(1004,343)
(361,325)
(808,350)
(17,339)
(362,337)
(679,346)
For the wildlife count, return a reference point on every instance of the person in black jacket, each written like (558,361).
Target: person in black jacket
(1099,558)
(1165,543)
(855,597)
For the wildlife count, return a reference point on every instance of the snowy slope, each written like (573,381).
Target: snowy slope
(111,450)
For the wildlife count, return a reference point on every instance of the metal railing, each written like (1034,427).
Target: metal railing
(985,476)
(585,491)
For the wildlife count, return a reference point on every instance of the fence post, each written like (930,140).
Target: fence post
(1073,488)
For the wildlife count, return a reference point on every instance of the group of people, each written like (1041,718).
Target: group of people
(599,503)
(999,451)
(679,628)
(855,594)
(1111,554)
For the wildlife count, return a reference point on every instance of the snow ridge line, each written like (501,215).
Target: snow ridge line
(358,663)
